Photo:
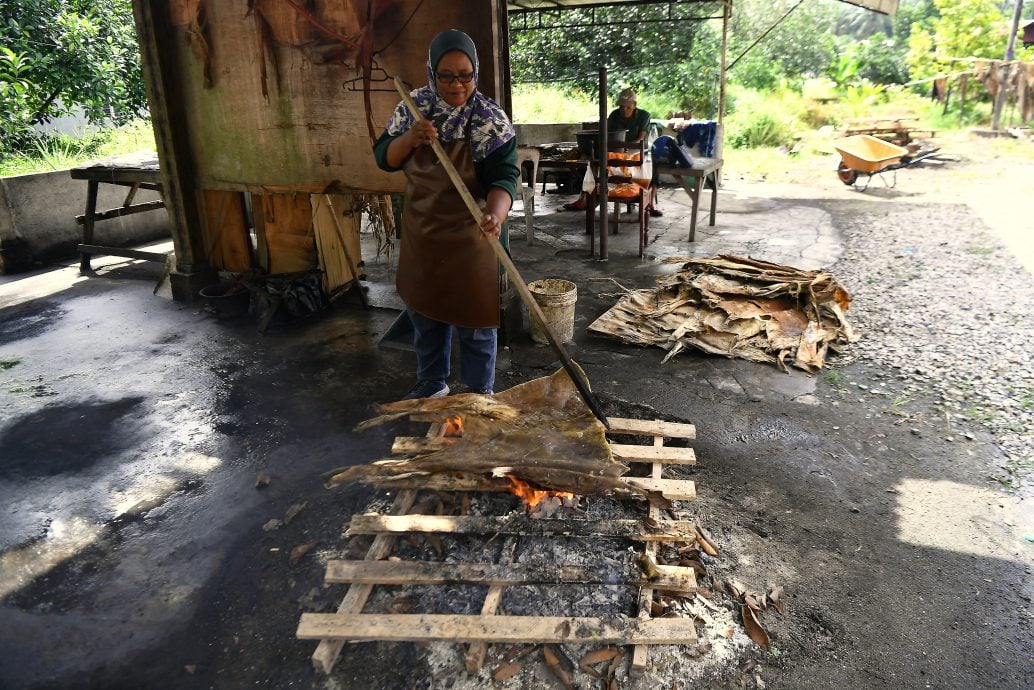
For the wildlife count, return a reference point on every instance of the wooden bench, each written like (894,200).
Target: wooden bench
(136,171)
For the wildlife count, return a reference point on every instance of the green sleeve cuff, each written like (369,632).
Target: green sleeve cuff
(380,151)
(499,169)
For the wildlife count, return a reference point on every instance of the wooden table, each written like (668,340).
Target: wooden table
(703,171)
(546,165)
(136,171)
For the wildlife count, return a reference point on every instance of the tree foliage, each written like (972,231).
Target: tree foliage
(800,46)
(961,29)
(877,45)
(57,56)
(675,62)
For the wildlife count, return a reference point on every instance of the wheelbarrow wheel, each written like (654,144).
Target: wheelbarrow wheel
(847,174)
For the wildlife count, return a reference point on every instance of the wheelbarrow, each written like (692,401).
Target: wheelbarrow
(863,154)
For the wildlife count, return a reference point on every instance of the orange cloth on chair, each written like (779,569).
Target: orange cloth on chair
(624,190)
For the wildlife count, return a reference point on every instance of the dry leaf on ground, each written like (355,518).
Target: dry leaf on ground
(754,629)
(298,552)
(506,672)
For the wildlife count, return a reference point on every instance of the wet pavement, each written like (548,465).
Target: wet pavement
(133,428)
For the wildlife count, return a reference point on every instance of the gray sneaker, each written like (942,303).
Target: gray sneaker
(435,388)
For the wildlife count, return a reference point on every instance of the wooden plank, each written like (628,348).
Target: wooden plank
(124,211)
(475,658)
(333,253)
(96,249)
(641,653)
(674,578)
(328,650)
(284,224)
(671,489)
(665,455)
(670,578)
(646,427)
(636,530)
(225,229)
(172,130)
(505,629)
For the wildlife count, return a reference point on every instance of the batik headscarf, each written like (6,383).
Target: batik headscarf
(489,126)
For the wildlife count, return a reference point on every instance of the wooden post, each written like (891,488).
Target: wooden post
(88,221)
(999,104)
(726,12)
(963,83)
(154,31)
(601,177)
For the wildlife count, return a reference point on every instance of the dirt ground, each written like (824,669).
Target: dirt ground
(133,551)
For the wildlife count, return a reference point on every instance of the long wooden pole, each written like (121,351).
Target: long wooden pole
(577,377)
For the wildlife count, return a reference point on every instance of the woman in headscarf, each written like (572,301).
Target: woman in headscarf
(448,275)
(636,123)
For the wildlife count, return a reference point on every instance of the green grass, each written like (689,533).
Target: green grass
(6,364)
(63,151)
(537,103)
(980,414)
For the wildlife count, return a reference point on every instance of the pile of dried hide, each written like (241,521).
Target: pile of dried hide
(737,307)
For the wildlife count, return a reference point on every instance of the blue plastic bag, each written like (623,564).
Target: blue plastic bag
(667,151)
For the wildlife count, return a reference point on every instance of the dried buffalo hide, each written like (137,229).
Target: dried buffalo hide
(540,432)
(737,307)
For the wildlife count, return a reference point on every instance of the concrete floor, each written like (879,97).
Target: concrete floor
(132,430)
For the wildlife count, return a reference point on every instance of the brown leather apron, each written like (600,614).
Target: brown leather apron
(446,272)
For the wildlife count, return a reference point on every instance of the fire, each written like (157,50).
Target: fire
(532,497)
(454,426)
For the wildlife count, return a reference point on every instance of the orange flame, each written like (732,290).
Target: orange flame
(454,426)
(532,497)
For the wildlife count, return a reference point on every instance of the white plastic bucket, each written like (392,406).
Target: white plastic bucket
(556,298)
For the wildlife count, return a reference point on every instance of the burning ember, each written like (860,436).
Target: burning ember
(454,426)
(533,497)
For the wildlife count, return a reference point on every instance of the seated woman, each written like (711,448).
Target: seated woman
(636,122)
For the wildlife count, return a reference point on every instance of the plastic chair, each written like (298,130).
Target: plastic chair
(529,158)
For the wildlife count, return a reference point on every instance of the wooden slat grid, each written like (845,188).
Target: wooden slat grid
(351,624)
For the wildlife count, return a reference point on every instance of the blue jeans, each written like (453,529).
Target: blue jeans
(433,343)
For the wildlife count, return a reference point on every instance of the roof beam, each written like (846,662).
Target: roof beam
(888,7)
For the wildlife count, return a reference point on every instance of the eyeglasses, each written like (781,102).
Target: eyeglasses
(448,78)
